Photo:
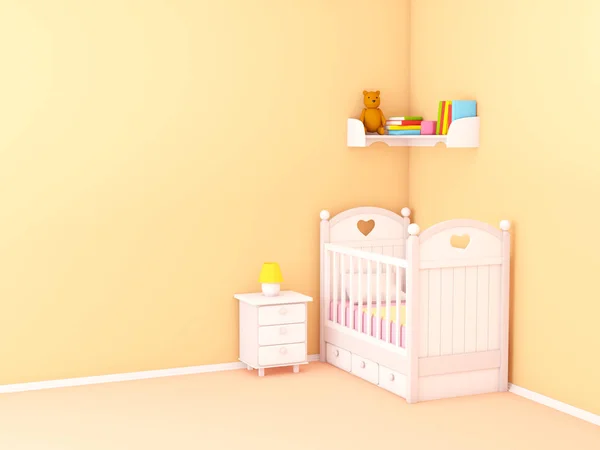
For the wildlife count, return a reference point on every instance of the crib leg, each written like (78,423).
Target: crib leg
(296,368)
(261,372)
(248,367)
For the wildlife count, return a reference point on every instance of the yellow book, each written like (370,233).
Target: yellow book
(447,110)
(403,127)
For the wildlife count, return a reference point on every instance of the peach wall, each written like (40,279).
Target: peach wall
(153,154)
(534,70)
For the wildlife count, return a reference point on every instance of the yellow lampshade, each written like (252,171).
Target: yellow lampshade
(270,273)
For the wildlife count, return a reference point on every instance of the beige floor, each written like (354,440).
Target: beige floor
(320,408)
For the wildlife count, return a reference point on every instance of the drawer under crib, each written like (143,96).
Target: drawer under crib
(365,369)
(392,381)
(339,357)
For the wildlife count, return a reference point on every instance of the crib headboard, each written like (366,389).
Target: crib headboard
(368,228)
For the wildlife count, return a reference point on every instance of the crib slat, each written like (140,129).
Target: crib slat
(335,286)
(483,305)
(351,295)
(343,290)
(435,313)
(369,299)
(424,313)
(494,312)
(388,327)
(447,313)
(471,310)
(458,322)
(378,299)
(359,314)
(398,306)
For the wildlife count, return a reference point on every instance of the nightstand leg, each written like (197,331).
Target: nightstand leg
(261,372)
(248,367)
(296,368)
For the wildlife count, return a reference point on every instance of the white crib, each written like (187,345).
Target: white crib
(419,314)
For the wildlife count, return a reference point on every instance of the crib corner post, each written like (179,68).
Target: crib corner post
(324,283)
(505,311)
(412,307)
(406,212)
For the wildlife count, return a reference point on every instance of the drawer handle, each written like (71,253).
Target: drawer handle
(392,377)
(337,353)
(283,350)
(282,330)
(362,365)
(283,311)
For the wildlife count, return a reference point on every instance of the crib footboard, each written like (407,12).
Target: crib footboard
(459,272)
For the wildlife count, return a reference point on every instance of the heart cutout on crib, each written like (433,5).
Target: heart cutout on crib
(460,241)
(365,227)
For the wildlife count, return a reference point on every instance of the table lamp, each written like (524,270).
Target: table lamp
(270,277)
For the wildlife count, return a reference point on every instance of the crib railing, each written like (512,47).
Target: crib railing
(358,285)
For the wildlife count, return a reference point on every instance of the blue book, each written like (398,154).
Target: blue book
(463,108)
(403,132)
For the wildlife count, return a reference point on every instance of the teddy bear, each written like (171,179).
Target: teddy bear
(372,117)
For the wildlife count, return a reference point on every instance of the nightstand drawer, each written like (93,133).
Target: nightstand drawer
(282,334)
(281,354)
(281,314)
(366,369)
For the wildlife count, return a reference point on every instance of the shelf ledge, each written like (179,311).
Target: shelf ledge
(463,133)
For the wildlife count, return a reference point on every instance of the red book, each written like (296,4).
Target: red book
(449,117)
(405,122)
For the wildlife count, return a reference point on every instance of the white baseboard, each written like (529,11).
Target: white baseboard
(132,376)
(555,404)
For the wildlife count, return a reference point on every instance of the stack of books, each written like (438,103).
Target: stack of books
(404,125)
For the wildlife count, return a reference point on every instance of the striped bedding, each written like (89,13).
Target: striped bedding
(364,314)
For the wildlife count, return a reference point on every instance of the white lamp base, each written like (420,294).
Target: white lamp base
(271,289)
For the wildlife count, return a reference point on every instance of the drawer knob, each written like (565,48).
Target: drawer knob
(362,365)
(283,350)
(283,311)
(392,377)
(282,330)
(337,353)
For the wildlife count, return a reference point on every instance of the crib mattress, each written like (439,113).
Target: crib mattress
(363,313)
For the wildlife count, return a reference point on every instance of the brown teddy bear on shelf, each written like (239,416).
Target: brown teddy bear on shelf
(372,117)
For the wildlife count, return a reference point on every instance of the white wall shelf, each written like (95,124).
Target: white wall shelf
(463,133)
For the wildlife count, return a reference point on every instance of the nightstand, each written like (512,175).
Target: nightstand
(273,330)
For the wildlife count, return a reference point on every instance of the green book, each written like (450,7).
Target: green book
(406,118)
